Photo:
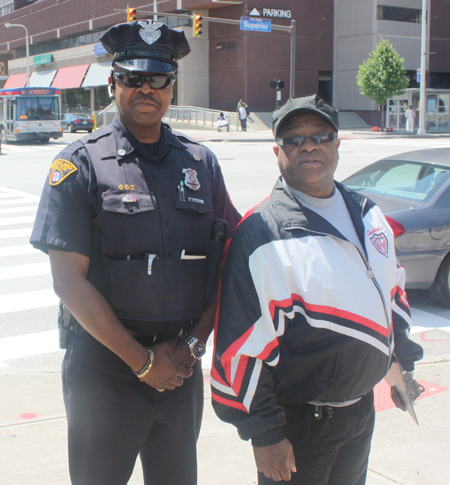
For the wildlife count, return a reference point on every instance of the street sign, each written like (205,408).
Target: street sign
(256,25)
(418,75)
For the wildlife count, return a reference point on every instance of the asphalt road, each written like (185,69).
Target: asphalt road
(27,302)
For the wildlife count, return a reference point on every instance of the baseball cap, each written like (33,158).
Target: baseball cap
(145,46)
(305,104)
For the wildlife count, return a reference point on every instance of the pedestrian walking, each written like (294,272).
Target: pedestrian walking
(312,308)
(133,217)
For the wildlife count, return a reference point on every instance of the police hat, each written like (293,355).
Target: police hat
(306,104)
(145,45)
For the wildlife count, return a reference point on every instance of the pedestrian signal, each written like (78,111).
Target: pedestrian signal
(131,14)
(197,25)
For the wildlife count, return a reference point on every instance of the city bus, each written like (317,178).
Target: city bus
(32,114)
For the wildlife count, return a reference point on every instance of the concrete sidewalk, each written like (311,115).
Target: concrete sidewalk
(33,435)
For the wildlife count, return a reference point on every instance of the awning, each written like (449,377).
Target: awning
(42,79)
(70,77)
(97,75)
(16,81)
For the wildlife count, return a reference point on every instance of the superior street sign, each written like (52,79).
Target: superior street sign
(256,25)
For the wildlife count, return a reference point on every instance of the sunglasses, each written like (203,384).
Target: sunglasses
(298,141)
(136,79)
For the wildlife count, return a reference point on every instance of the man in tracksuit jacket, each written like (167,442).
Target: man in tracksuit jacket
(312,309)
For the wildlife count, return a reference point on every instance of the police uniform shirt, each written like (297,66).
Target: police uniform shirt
(133,214)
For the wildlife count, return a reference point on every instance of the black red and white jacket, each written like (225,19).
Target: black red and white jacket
(304,316)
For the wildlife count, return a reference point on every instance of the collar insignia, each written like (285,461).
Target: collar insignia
(149,31)
(59,170)
(191,179)
(380,243)
(196,157)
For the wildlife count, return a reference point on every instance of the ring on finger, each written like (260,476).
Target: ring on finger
(160,390)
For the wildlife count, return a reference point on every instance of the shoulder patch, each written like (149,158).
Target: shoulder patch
(59,170)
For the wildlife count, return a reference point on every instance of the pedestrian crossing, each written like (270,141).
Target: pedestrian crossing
(26,290)
(21,300)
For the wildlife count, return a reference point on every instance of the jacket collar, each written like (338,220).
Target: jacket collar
(294,215)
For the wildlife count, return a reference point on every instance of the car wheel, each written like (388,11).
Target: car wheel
(440,289)
(45,140)
(72,129)
(89,131)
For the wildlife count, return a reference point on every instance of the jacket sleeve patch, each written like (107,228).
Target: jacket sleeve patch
(59,170)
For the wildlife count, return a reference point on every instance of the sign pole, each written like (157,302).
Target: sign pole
(292,77)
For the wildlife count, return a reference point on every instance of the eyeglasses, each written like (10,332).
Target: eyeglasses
(298,141)
(136,79)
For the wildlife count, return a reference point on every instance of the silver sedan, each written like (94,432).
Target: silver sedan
(413,191)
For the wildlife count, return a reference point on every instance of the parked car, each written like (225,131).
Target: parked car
(74,122)
(413,190)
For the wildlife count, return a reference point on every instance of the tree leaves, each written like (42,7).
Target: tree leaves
(382,75)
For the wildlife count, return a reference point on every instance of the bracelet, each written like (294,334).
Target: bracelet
(148,365)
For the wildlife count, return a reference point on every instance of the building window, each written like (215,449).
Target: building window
(6,8)
(176,21)
(399,14)
(58,44)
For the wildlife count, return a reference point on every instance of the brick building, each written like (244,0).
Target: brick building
(333,37)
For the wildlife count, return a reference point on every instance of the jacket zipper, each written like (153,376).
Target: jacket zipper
(367,265)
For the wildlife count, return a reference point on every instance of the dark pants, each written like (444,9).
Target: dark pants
(329,451)
(113,417)
(244,124)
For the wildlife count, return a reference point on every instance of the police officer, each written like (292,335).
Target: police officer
(126,217)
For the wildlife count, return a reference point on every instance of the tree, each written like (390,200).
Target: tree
(382,75)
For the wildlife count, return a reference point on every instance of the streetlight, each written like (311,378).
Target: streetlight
(27,48)
(423,71)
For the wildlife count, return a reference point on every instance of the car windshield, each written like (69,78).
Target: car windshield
(415,181)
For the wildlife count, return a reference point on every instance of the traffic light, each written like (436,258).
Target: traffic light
(197,25)
(131,14)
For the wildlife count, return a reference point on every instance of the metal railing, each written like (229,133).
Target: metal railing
(200,116)
(183,114)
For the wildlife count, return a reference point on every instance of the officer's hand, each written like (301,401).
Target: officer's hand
(182,354)
(165,372)
(276,461)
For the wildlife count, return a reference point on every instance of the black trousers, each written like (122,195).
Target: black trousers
(329,451)
(113,417)
(243,124)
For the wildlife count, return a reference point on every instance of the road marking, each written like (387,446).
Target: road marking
(28,345)
(13,210)
(28,300)
(8,221)
(18,250)
(7,192)
(25,270)
(12,233)
(15,202)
